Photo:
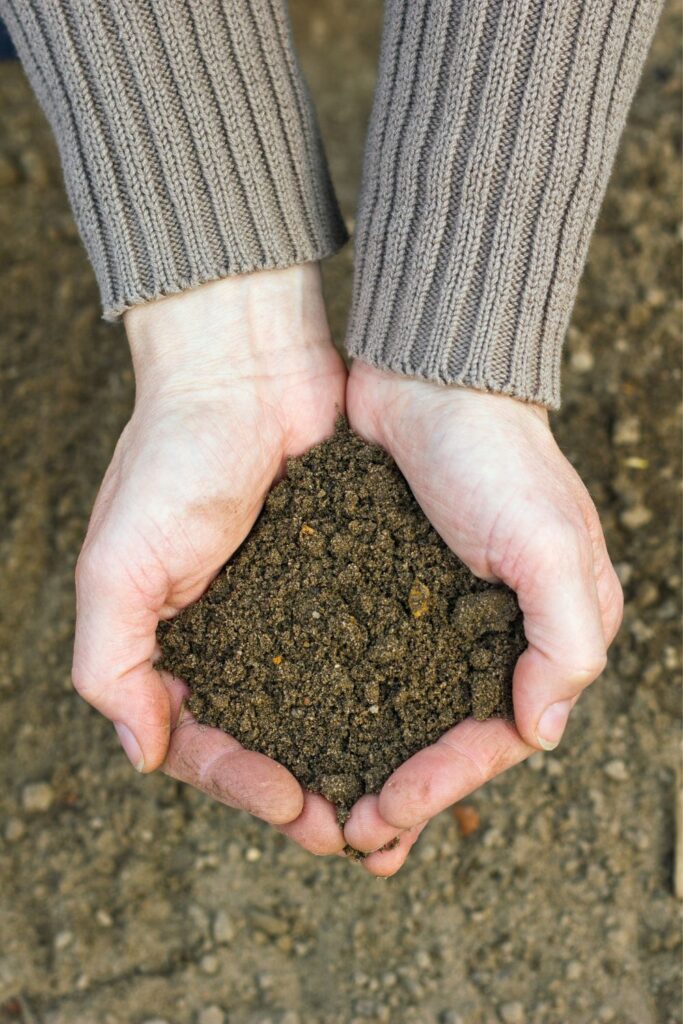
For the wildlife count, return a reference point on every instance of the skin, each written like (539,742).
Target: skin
(234,377)
(489,475)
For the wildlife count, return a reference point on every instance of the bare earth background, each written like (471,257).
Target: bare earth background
(128,900)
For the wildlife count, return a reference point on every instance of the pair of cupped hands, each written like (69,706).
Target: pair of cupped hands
(236,376)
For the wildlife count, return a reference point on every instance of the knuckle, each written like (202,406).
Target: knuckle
(615,601)
(87,566)
(81,679)
(590,668)
(564,539)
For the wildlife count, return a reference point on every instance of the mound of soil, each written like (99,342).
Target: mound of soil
(344,635)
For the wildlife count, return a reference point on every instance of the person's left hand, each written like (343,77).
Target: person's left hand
(487,472)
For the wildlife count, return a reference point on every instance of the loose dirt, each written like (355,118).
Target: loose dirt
(344,635)
(125,899)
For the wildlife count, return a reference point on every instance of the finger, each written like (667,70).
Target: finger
(557,594)
(219,766)
(112,667)
(610,598)
(316,829)
(384,863)
(459,762)
(366,830)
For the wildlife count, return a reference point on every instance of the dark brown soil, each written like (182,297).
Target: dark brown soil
(344,635)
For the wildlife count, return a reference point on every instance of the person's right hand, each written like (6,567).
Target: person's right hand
(231,379)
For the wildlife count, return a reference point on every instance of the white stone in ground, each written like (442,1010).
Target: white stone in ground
(37,796)
(211,1015)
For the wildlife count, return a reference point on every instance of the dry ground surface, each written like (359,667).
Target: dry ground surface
(129,900)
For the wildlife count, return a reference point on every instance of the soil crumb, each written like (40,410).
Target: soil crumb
(344,636)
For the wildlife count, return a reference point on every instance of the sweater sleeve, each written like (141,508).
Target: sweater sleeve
(188,142)
(494,129)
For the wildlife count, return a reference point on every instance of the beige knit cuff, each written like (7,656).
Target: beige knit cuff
(493,132)
(188,141)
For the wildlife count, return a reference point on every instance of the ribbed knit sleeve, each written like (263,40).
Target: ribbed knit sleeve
(494,128)
(188,141)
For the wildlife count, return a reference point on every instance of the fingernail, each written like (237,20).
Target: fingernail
(130,746)
(552,724)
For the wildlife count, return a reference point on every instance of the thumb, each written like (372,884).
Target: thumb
(114,646)
(555,585)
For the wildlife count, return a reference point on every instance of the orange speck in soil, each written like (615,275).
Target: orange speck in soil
(467,817)
(418,599)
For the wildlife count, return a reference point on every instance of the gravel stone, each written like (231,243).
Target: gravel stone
(512,1013)
(209,964)
(617,771)
(636,517)
(211,1015)
(626,430)
(37,797)
(223,928)
(14,830)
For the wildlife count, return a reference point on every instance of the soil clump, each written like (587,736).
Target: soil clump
(344,635)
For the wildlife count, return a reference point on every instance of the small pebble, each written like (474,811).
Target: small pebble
(211,1015)
(63,939)
(14,830)
(37,796)
(253,854)
(671,657)
(574,970)
(512,1013)
(104,918)
(656,297)
(209,964)
(265,981)
(624,571)
(223,928)
(423,959)
(492,837)
(617,771)
(582,361)
(626,430)
(634,518)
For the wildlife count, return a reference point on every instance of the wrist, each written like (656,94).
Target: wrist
(252,325)
(379,398)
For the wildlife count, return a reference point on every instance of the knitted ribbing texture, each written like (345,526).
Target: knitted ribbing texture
(494,129)
(189,145)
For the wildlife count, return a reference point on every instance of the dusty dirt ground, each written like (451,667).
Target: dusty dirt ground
(128,900)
